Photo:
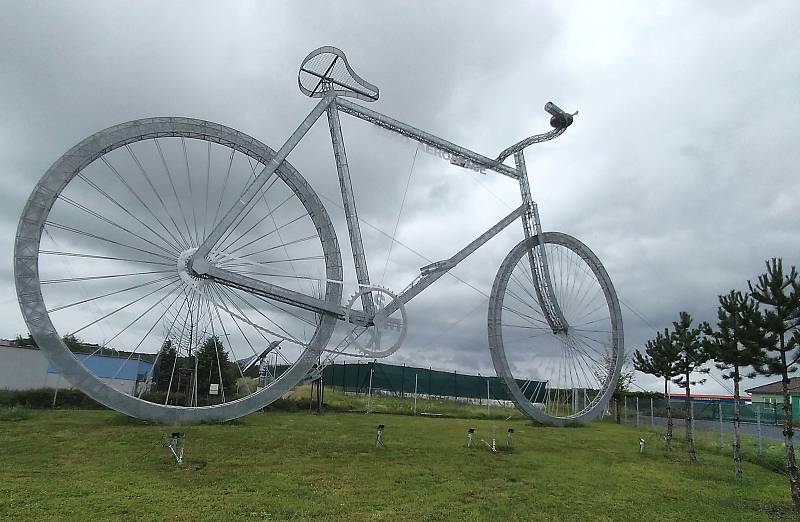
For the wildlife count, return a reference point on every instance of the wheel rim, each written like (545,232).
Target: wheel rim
(101,250)
(556,378)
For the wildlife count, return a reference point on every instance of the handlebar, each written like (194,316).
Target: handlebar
(560,119)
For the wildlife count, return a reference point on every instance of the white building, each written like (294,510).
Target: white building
(27,368)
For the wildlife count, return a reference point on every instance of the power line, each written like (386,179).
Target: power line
(650,325)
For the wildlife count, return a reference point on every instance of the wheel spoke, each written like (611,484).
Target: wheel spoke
(188,237)
(157,194)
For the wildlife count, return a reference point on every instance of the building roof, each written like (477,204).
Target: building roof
(777,387)
(83,348)
(107,367)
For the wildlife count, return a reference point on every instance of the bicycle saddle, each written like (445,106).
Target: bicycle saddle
(326,69)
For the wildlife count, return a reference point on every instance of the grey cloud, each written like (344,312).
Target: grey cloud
(679,171)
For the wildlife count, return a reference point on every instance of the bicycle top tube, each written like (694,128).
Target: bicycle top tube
(383,121)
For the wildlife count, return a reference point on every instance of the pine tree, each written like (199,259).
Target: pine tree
(727,346)
(692,356)
(776,334)
(165,365)
(213,360)
(660,359)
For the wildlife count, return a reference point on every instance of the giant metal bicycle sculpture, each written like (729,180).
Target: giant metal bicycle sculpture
(177,231)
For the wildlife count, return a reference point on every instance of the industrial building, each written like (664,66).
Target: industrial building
(26,368)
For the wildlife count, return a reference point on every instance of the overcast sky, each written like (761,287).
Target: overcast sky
(680,171)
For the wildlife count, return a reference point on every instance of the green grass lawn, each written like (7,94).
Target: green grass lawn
(98,465)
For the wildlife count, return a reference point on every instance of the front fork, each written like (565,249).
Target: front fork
(537,257)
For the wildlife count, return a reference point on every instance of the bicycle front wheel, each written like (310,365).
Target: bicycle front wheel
(565,376)
(102,279)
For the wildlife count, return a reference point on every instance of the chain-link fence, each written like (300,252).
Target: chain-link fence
(639,409)
(761,423)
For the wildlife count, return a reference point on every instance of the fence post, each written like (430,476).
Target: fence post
(637,411)
(721,436)
(652,416)
(487,398)
(415,393)
(403,381)
(758,423)
(625,409)
(369,396)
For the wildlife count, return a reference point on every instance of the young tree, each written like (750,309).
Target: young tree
(777,336)
(73,343)
(691,358)
(624,383)
(660,359)
(727,346)
(165,365)
(626,376)
(213,361)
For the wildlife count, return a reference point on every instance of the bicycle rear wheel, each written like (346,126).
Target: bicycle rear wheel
(101,271)
(565,377)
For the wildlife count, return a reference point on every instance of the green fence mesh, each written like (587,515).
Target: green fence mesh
(403,380)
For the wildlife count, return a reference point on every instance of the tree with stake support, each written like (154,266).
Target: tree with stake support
(660,359)
(692,357)
(725,345)
(776,334)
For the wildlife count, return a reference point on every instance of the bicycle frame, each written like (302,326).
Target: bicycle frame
(331,104)
(183,308)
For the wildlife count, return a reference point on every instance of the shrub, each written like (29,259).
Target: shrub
(41,398)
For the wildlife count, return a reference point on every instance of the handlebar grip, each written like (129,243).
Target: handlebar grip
(560,119)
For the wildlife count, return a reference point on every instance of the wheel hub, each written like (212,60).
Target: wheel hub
(185,272)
